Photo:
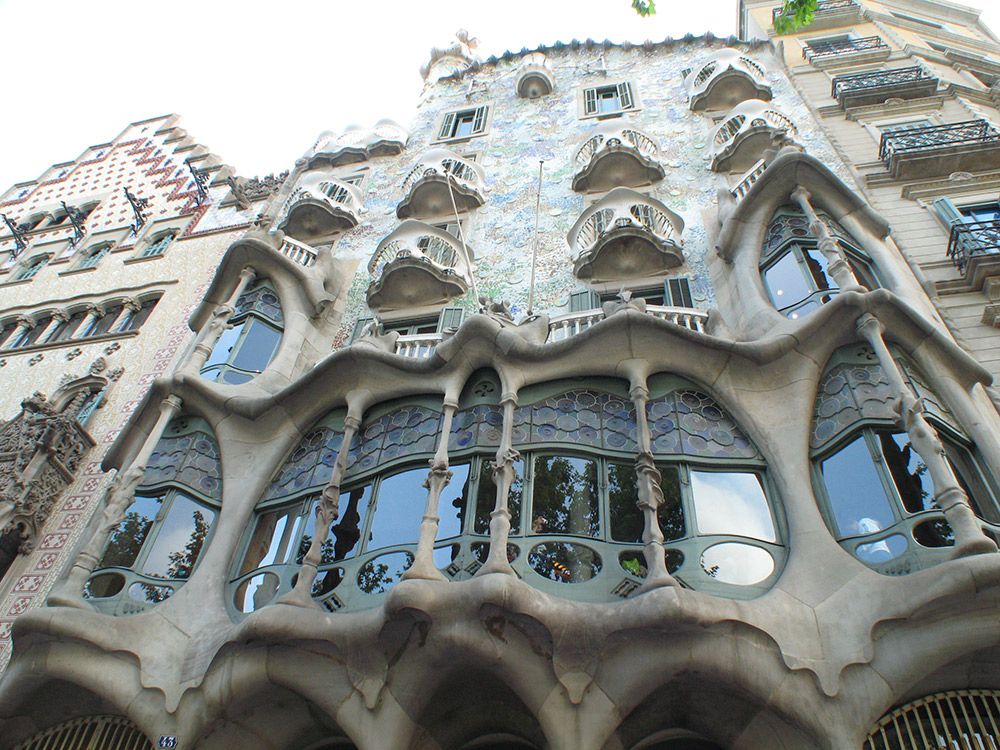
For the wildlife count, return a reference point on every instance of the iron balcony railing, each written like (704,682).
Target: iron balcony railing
(974,238)
(843,47)
(824,6)
(878,79)
(937,136)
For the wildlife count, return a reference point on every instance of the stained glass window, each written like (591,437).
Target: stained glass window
(310,465)
(691,423)
(186,455)
(582,417)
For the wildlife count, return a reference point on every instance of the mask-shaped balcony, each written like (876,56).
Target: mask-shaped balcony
(625,235)
(356,144)
(726,79)
(534,78)
(320,206)
(617,155)
(417,265)
(745,133)
(427,187)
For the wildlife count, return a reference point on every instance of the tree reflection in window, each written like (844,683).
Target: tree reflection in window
(246,348)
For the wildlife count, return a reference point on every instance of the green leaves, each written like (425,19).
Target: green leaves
(644,7)
(794,15)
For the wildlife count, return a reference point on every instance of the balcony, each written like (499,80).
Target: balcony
(973,240)
(863,89)
(439,176)
(534,78)
(747,180)
(846,51)
(417,265)
(724,80)
(297,252)
(830,14)
(746,132)
(625,235)
(939,150)
(319,207)
(356,144)
(617,155)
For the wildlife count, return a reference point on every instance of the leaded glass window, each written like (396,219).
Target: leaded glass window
(246,348)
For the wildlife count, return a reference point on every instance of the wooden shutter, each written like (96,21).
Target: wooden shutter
(479,121)
(448,126)
(947,212)
(451,317)
(678,292)
(590,101)
(359,327)
(584,300)
(625,96)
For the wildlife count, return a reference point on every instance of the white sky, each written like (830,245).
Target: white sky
(258,81)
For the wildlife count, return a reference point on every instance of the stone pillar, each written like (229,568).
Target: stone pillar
(119,496)
(650,497)
(836,261)
(93,313)
(327,510)
(438,478)
(194,358)
(24,323)
(948,493)
(503,477)
(129,308)
(58,317)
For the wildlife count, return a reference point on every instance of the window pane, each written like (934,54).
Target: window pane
(454,499)
(126,541)
(671,513)
(565,497)
(179,539)
(463,124)
(909,472)
(269,545)
(486,498)
(971,480)
(257,347)
(398,509)
(347,531)
(623,493)
(816,263)
(731,503)
(785,282)
(857,497)
(222,348)
(104,322)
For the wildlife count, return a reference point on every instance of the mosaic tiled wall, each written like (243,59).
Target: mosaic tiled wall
(525,131)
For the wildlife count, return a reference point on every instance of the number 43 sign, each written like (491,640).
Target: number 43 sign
(167,740)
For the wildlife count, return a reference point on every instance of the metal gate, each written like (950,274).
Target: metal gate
(91,733)
(955,720)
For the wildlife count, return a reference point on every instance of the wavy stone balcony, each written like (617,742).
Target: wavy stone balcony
(625,235)
(616,155)
(438,173)
(355,144)
(725,79)
(534,78)
(741,138)
(863,89)
(417,265)
(321,206)
(939,150)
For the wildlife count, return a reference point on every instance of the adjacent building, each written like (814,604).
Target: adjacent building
(604,408)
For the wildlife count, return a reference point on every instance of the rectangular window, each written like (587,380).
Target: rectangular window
(608,100)
(464,123)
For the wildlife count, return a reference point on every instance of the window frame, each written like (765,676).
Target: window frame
(588,100)
(249,320)
(447,125)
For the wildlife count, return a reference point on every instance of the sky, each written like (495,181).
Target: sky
(257,82)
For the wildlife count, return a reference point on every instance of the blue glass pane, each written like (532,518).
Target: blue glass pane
(179,539)
(399,509)
(857,496)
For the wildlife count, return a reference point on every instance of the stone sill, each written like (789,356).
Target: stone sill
(143,259)
(68,343)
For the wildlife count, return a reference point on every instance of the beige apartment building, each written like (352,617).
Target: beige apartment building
(609,406)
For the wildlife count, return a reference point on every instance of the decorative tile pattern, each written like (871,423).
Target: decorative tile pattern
(583,417)
(691,423)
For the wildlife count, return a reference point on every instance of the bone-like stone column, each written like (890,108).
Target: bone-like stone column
(503,477)
(650,497)
(119,496)
(836,261)
(438,478)
(327,510)
(205,340)
(948,493)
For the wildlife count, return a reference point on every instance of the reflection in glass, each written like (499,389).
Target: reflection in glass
(255,592)
(565,496)
(486,498)
(857,497)
(342,541)
(383,572)
(564,562)
(634,562)
(399,509)
(147,592)
(126,541)
(104,584)
(733,562)
(179,539)
(627,520)
(257,347)
(935,533)
(908,472)
(451,506)
(731,503)
(882,550)
(798,281)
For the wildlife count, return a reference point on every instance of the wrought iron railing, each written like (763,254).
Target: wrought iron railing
(878,79)
(937,136)
(418,241)
(974,238)
(843,47)
(823,6)
(953,719)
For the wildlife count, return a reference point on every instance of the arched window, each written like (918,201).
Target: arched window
(157,546)
(91,256)
(795,271)
(101,323)
(30,268)
(133,319)
(29,336)
(875,489)
(158,244)
(244,350)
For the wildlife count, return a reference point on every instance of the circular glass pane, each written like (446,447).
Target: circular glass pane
(383,572)
(104,585)
(564,562)
(147,592)
(481,551)
(882,550)
(255,592)
(634,562)
(934,534)
(734,562)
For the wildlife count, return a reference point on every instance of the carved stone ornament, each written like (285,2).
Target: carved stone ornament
(112,348)
(98,366)
(74,353)
(35,360)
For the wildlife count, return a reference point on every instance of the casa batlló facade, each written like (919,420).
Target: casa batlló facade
(598,409)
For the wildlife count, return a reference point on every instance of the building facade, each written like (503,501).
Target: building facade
(601,409)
